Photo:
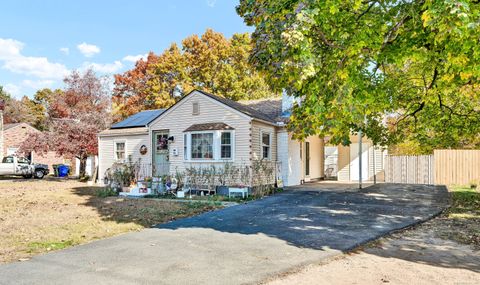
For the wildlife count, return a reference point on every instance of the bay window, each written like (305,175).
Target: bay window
(202,146)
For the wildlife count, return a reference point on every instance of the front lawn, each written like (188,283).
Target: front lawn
(463,217)
(40,216)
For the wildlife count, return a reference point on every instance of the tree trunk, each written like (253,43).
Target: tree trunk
(83,165)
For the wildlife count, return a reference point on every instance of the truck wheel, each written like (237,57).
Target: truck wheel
(39,174)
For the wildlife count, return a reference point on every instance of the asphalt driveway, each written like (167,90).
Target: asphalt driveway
(240,244)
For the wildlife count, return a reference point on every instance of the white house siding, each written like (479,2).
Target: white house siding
(180,117)
(257,129)
(133,142)
(289,157)
(283,156)
(293,162)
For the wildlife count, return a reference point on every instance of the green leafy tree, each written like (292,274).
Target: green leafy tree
(209,62)
(397,70)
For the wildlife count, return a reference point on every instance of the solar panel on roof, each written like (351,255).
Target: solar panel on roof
(140,119)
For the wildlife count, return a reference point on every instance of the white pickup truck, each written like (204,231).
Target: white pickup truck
(13,165)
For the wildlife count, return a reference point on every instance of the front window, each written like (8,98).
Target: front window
(226,145)
(202,146)
(120,150)
(266,145)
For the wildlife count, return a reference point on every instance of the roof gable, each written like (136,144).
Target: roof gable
(240,108)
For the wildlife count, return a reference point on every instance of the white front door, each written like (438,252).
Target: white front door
(355,163)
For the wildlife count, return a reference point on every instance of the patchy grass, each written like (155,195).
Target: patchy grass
(38,216)
(461,222)
(465,203)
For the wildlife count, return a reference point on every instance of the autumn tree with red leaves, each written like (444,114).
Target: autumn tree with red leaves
(75,116)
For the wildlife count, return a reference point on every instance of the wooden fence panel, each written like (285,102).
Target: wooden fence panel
(412,169)
(456,166)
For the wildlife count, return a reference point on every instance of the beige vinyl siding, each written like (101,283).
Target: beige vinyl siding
(257,129)
(106,155)
(180,117)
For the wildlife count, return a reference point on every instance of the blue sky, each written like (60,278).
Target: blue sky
(42,41)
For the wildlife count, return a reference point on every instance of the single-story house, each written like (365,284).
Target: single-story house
(205,129)
(15,134)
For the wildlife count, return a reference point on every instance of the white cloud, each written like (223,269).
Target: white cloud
(65,50)
(87,49)
(104,67)
(14,61)
(37,84)
(36,66)
(211,3)
(9,48)
(12,89)
(135,58)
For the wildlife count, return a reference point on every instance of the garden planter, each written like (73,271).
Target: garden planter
(238,191)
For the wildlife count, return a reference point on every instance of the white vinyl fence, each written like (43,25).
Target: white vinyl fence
(412,169)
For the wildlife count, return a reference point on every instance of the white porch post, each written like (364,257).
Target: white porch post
(360,159)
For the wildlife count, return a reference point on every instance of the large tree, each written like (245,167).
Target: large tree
(210,62)
(76,115)
(394,69)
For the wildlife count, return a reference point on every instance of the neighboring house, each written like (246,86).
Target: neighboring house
(205,129)
(15,134)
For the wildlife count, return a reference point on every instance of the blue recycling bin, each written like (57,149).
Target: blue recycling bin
(63,170)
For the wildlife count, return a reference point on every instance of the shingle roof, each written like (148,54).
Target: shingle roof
(140,119)
(270,107)
(208,127)
(246,109)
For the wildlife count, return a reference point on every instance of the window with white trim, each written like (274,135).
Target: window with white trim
(202,146)
(218,145)
(266,145)
(120,151)
(226,145)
